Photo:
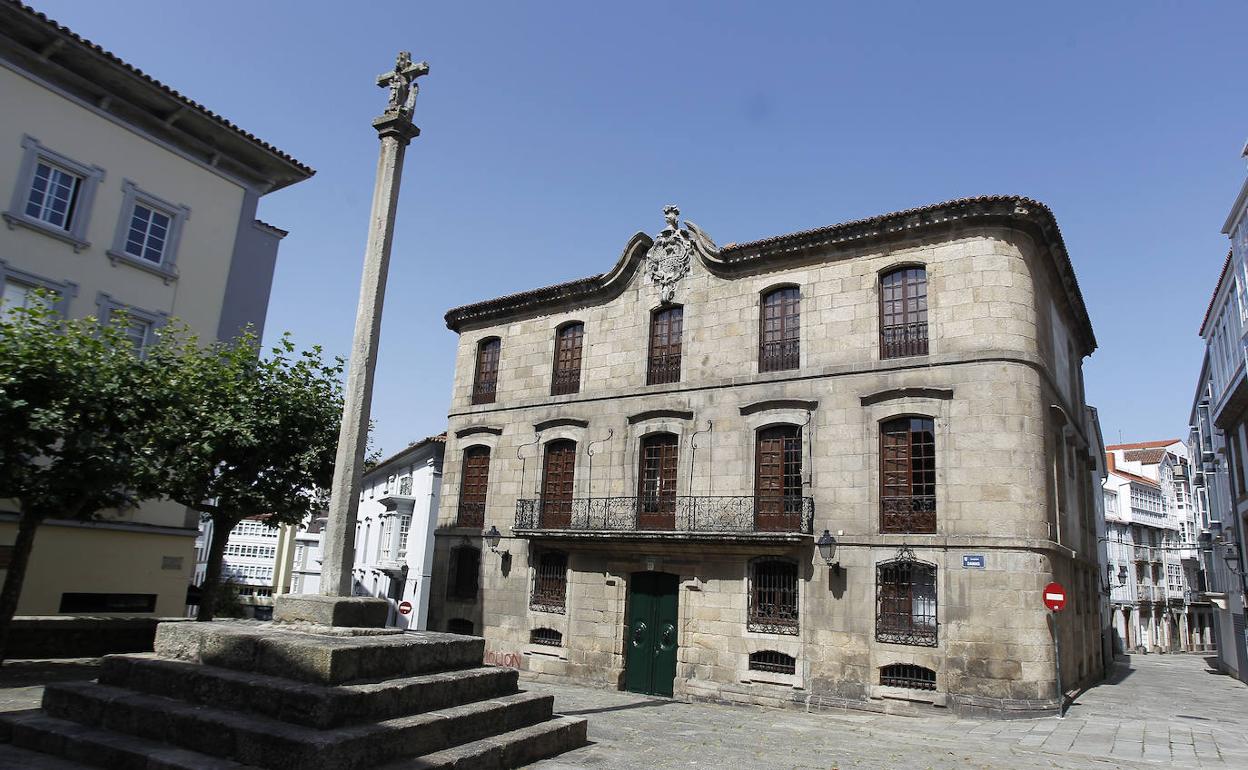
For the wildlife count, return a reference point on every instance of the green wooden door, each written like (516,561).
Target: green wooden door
(651,664)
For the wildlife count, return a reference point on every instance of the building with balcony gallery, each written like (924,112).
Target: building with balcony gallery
(831,468)
(1153,569)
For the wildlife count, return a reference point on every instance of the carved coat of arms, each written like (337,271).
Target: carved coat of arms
(669,257)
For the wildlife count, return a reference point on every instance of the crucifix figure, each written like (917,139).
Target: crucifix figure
(402,83)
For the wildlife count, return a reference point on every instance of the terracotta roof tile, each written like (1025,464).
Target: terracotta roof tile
(1226,268)
(1145,456)
(113,58)
(1145,444)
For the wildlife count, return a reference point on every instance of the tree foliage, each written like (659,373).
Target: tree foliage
(88,425)
(243,435)
(74,401)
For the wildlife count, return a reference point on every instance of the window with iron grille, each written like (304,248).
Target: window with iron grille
(485,382)
(773,596)
(473,489)
(463,579)
(905,592)
(547,636)
(903,313)
(908,675)
(908,475)
(567,369)
(550,582)
(665,345)
(780,330)
(459,626)
(772,662)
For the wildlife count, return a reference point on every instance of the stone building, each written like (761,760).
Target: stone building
(828,468)
(122,194)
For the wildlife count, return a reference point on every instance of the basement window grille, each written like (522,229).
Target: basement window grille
(773,662)
(547,636)
(909,676)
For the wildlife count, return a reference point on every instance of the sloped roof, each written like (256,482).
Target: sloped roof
(1226,268)
(1015,210)
(85,69)
(1145,456)
(1165,442)
(412,447)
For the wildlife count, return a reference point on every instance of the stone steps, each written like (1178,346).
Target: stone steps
(302,703)
(225,695)
(513,749)
(266,742)
(13,758)
(79,745)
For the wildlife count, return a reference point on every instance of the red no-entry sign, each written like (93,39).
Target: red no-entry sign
(1054,597)
(405,608)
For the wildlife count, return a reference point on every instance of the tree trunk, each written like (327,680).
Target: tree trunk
(212,574)
(15,575)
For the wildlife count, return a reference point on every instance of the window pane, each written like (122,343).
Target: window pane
(146,237)
(52,193)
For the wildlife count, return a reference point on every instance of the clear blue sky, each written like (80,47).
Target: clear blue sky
(553,131)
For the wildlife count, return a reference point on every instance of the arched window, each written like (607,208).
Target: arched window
(665,345)
(905,591)
(558,473)
(472,490)
(773,596)
(908,675)
(903,313)
(779,330)
(773,662)
(459,626)
(656,482)
(567,368)
(463,575)
(908,475)
(778,479)
(485,381)
(546,636)
(550,582)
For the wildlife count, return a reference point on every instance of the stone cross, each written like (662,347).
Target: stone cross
(395,130)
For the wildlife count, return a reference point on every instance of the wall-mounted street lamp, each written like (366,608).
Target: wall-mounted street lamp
(493,538)
(827,551)
(1122,575)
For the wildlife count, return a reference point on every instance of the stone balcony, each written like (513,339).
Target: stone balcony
(714,518)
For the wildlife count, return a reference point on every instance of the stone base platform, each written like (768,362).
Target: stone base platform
(237,694)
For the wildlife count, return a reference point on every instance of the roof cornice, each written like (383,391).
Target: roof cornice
(57,55)
(1018,212)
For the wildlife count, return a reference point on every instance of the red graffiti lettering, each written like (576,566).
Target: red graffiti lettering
(507,659)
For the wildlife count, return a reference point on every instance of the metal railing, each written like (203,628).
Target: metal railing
(778,356)
(566,381)
(471,515)
(663,369)
(909,514)
(484,391)
(742,513)
(903,340)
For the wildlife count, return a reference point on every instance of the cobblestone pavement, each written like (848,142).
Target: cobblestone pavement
(1158,710)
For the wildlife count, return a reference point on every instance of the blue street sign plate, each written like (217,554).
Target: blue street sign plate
(973,561)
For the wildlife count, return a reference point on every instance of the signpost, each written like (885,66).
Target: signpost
(1055,599)
(405,608)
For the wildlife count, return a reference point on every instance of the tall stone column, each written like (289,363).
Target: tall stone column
(395,130)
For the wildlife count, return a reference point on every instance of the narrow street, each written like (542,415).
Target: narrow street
(1167,710)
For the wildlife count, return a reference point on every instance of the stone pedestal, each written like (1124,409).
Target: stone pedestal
(352,611)
(236,694)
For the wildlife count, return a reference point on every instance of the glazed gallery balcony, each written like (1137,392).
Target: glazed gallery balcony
(716,517)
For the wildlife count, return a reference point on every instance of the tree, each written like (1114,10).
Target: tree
(242,435)
(73,399)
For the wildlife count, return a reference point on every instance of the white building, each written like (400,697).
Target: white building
(256,559)
(1151,550)
(393,534)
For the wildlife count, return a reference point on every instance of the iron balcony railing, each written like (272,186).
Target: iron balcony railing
(903,340)
(778,356)
(726,514)
(566,381)
(471,515)
(908,514)
(484,391)
(663,368)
